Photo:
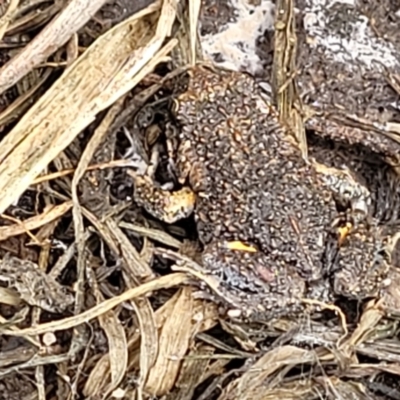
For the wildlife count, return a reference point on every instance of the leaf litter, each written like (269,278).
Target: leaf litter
(87,308)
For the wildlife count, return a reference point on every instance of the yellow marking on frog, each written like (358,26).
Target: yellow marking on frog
(240,246)
(344,232)
(179,204)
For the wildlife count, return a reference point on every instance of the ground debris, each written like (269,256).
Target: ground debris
(35,286)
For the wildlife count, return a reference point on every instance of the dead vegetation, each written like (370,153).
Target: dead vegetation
(88,310)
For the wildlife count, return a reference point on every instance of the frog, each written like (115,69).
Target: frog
(277,229)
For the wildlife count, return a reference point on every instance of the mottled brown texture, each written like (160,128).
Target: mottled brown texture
(347,55)
(35,286)
(378,143)
(364,248)
(368,165)
(256,188)
(335,72)
(214,14)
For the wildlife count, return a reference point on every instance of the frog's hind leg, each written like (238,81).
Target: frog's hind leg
(363,263)
(348,193)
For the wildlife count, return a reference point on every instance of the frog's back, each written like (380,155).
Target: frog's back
(256,186)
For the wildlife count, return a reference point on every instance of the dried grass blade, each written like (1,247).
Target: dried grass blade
(135,269)
(74,16)
(368,321)
(35,222)
(173,345)
(95,81)
(251,382)
(9,297)
(194,10)
(154,234)
(95,382)
(148,339)
(7,17)
(135,265)
(18,107)
(117,346)
(164,282)
(194,369)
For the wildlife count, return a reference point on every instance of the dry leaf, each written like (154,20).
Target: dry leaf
(173,345)
(117,346)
